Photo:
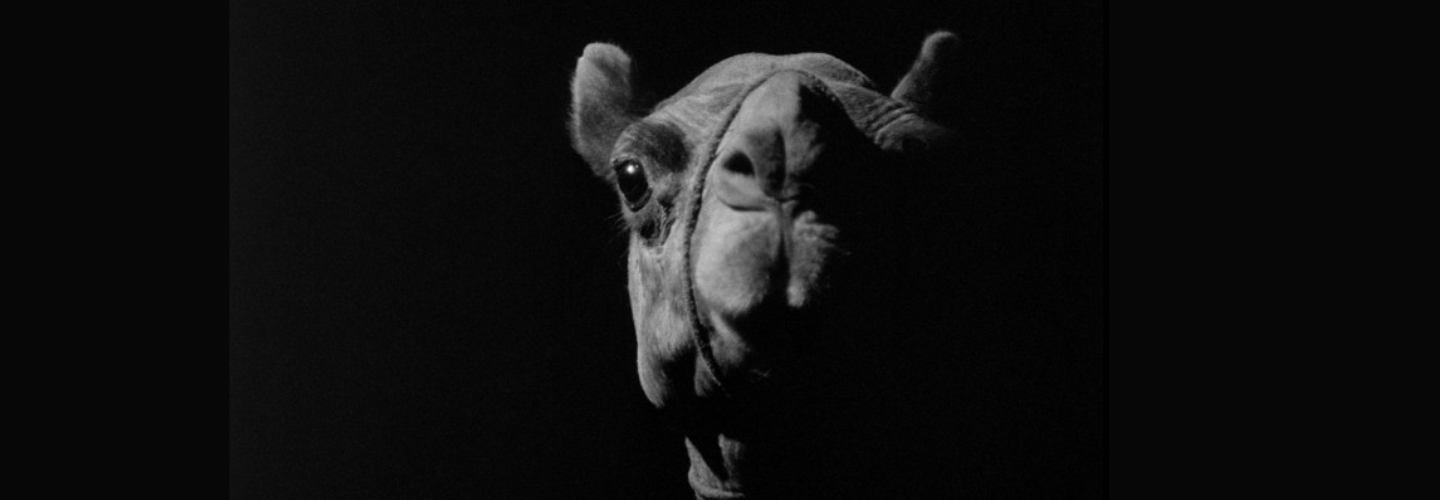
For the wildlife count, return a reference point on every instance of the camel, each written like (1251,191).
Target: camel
(761,257)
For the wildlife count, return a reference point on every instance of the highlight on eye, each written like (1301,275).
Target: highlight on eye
(630,179)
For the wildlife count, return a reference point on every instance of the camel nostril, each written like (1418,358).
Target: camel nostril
(740,164)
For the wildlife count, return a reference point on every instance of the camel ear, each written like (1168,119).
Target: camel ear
(601,102)
(929,89)
(930,86)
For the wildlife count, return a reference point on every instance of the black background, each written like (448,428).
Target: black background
(427,286)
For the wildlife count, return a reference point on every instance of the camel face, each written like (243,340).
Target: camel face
(756,200)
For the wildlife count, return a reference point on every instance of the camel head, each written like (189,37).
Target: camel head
(759,200)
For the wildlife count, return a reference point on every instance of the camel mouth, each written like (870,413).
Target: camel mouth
(751,344)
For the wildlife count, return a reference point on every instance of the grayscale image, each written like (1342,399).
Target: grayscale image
(782,252)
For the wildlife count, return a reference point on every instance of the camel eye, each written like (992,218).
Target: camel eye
(630,178)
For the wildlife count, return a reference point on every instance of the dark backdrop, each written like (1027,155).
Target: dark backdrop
(427,287)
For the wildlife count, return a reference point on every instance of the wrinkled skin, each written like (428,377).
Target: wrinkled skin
(762,264)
